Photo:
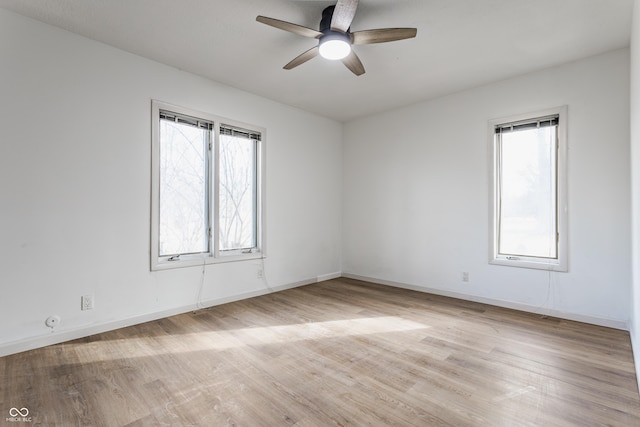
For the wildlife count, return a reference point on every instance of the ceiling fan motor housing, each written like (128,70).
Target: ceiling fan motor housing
(335,35)
(325,23)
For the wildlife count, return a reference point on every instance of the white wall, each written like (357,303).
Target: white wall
(416,187)
(75,188)
(635,183)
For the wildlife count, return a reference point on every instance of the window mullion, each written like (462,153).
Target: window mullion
(254,197)
(498,220)
(215,206)
(208,196)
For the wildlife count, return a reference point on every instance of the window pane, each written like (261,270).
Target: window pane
(527,210)
(237,197)
(183,189)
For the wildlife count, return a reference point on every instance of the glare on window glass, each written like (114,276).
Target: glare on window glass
(527,209)
(237,194)
(183,188)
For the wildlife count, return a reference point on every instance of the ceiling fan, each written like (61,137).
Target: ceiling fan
(335,37)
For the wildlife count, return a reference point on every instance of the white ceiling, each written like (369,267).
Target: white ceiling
(460,43)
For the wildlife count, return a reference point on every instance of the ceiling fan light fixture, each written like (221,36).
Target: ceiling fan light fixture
(335,46)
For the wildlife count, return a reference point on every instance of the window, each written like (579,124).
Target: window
(528,200)
(207,188)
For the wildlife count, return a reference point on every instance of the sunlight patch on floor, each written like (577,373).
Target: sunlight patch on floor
(245,337)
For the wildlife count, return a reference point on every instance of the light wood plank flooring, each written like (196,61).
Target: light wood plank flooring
(340,353)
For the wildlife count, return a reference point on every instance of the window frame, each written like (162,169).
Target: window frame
(560,263)
(214,254)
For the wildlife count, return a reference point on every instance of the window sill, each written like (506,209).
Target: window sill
(536,264)
(201,260)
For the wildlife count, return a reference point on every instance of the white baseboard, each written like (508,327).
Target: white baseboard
(635,349)
(609,323)
(85,331)
(325,277)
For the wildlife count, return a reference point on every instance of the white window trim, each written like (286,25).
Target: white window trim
(215,255)
(561,263)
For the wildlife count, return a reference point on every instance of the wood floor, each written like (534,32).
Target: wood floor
(341,353)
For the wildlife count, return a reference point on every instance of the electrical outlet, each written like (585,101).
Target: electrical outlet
(465,276)
(260,273)
(87,302)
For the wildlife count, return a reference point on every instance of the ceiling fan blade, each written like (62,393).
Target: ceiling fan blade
(382,35)
(354,64)
(302,58)
(343,15)
(288,26)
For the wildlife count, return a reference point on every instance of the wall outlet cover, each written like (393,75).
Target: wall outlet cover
(87,302)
